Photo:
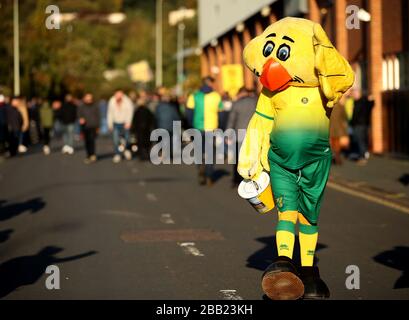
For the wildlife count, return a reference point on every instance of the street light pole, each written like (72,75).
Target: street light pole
(159,77)
(180,59)
(16,50)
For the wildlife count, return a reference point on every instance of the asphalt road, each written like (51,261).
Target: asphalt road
(139,231)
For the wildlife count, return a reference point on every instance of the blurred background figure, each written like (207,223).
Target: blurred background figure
(88,114)
(339,137)
(23,135)
(166,114)
(120,115)
(205,105)
(103,112)
(142,125)
(34,117)
(151,102)
(57,129)
(361,122)
(46,117)
(3,124)
(227,104)
(68,117)
(242,110)
(14,125)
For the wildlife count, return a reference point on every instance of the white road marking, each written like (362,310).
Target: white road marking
(135,170)
(230,295)
(368,197)
(190,249)
(151,197)
(166,218)
(142,183)
(122,213)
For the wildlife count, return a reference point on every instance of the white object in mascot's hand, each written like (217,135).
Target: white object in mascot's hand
(258,193)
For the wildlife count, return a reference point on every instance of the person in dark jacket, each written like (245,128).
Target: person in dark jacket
(361,121)
(166,114)
(242,111)
(88,114)
(67,116)
(14,125)
(142,124)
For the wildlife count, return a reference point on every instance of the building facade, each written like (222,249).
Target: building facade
(378,50)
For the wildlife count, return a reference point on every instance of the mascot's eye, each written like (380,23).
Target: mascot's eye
(283,53)
(268,48)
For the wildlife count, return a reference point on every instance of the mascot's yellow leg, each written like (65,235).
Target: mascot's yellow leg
(308,241)
(285,236)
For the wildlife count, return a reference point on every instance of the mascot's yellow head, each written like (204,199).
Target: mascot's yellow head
(297,52)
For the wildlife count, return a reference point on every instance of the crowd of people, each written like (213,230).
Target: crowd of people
(130,119)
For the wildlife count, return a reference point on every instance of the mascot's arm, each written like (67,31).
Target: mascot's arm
(254,150)
(334,72)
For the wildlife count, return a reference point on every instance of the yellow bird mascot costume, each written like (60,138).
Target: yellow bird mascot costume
(303,77)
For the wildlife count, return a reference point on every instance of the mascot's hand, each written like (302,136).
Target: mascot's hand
(253,157)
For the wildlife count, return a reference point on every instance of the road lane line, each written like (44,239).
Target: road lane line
(230,295)
(166,218)
(142,183)
(190,249)
(135,170)
(368,197)
(151,197)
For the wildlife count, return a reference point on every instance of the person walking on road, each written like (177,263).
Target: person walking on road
(68,116)
(339,138)
(22,139)
(166,114)
(242,111)
(46,115)
(142,125)
(120,114)
(14,125)
(361,121)
(88,114)
(206,104)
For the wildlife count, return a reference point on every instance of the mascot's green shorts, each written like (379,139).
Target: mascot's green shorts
(300,190)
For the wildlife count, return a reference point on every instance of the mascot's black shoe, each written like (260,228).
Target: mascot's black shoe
(281,280)
(314,287)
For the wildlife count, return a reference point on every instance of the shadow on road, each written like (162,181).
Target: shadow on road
(8,211)
(27,270)
(397,258)
(261,259)
(5,235)
(219,174)
(404,179)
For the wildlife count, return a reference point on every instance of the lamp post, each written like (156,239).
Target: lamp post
(16,49)
(180,59)
(158,63)
(177,18)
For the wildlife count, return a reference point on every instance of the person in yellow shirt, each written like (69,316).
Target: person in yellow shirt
(205,104)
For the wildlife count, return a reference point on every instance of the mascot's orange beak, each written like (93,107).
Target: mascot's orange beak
(275,77)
